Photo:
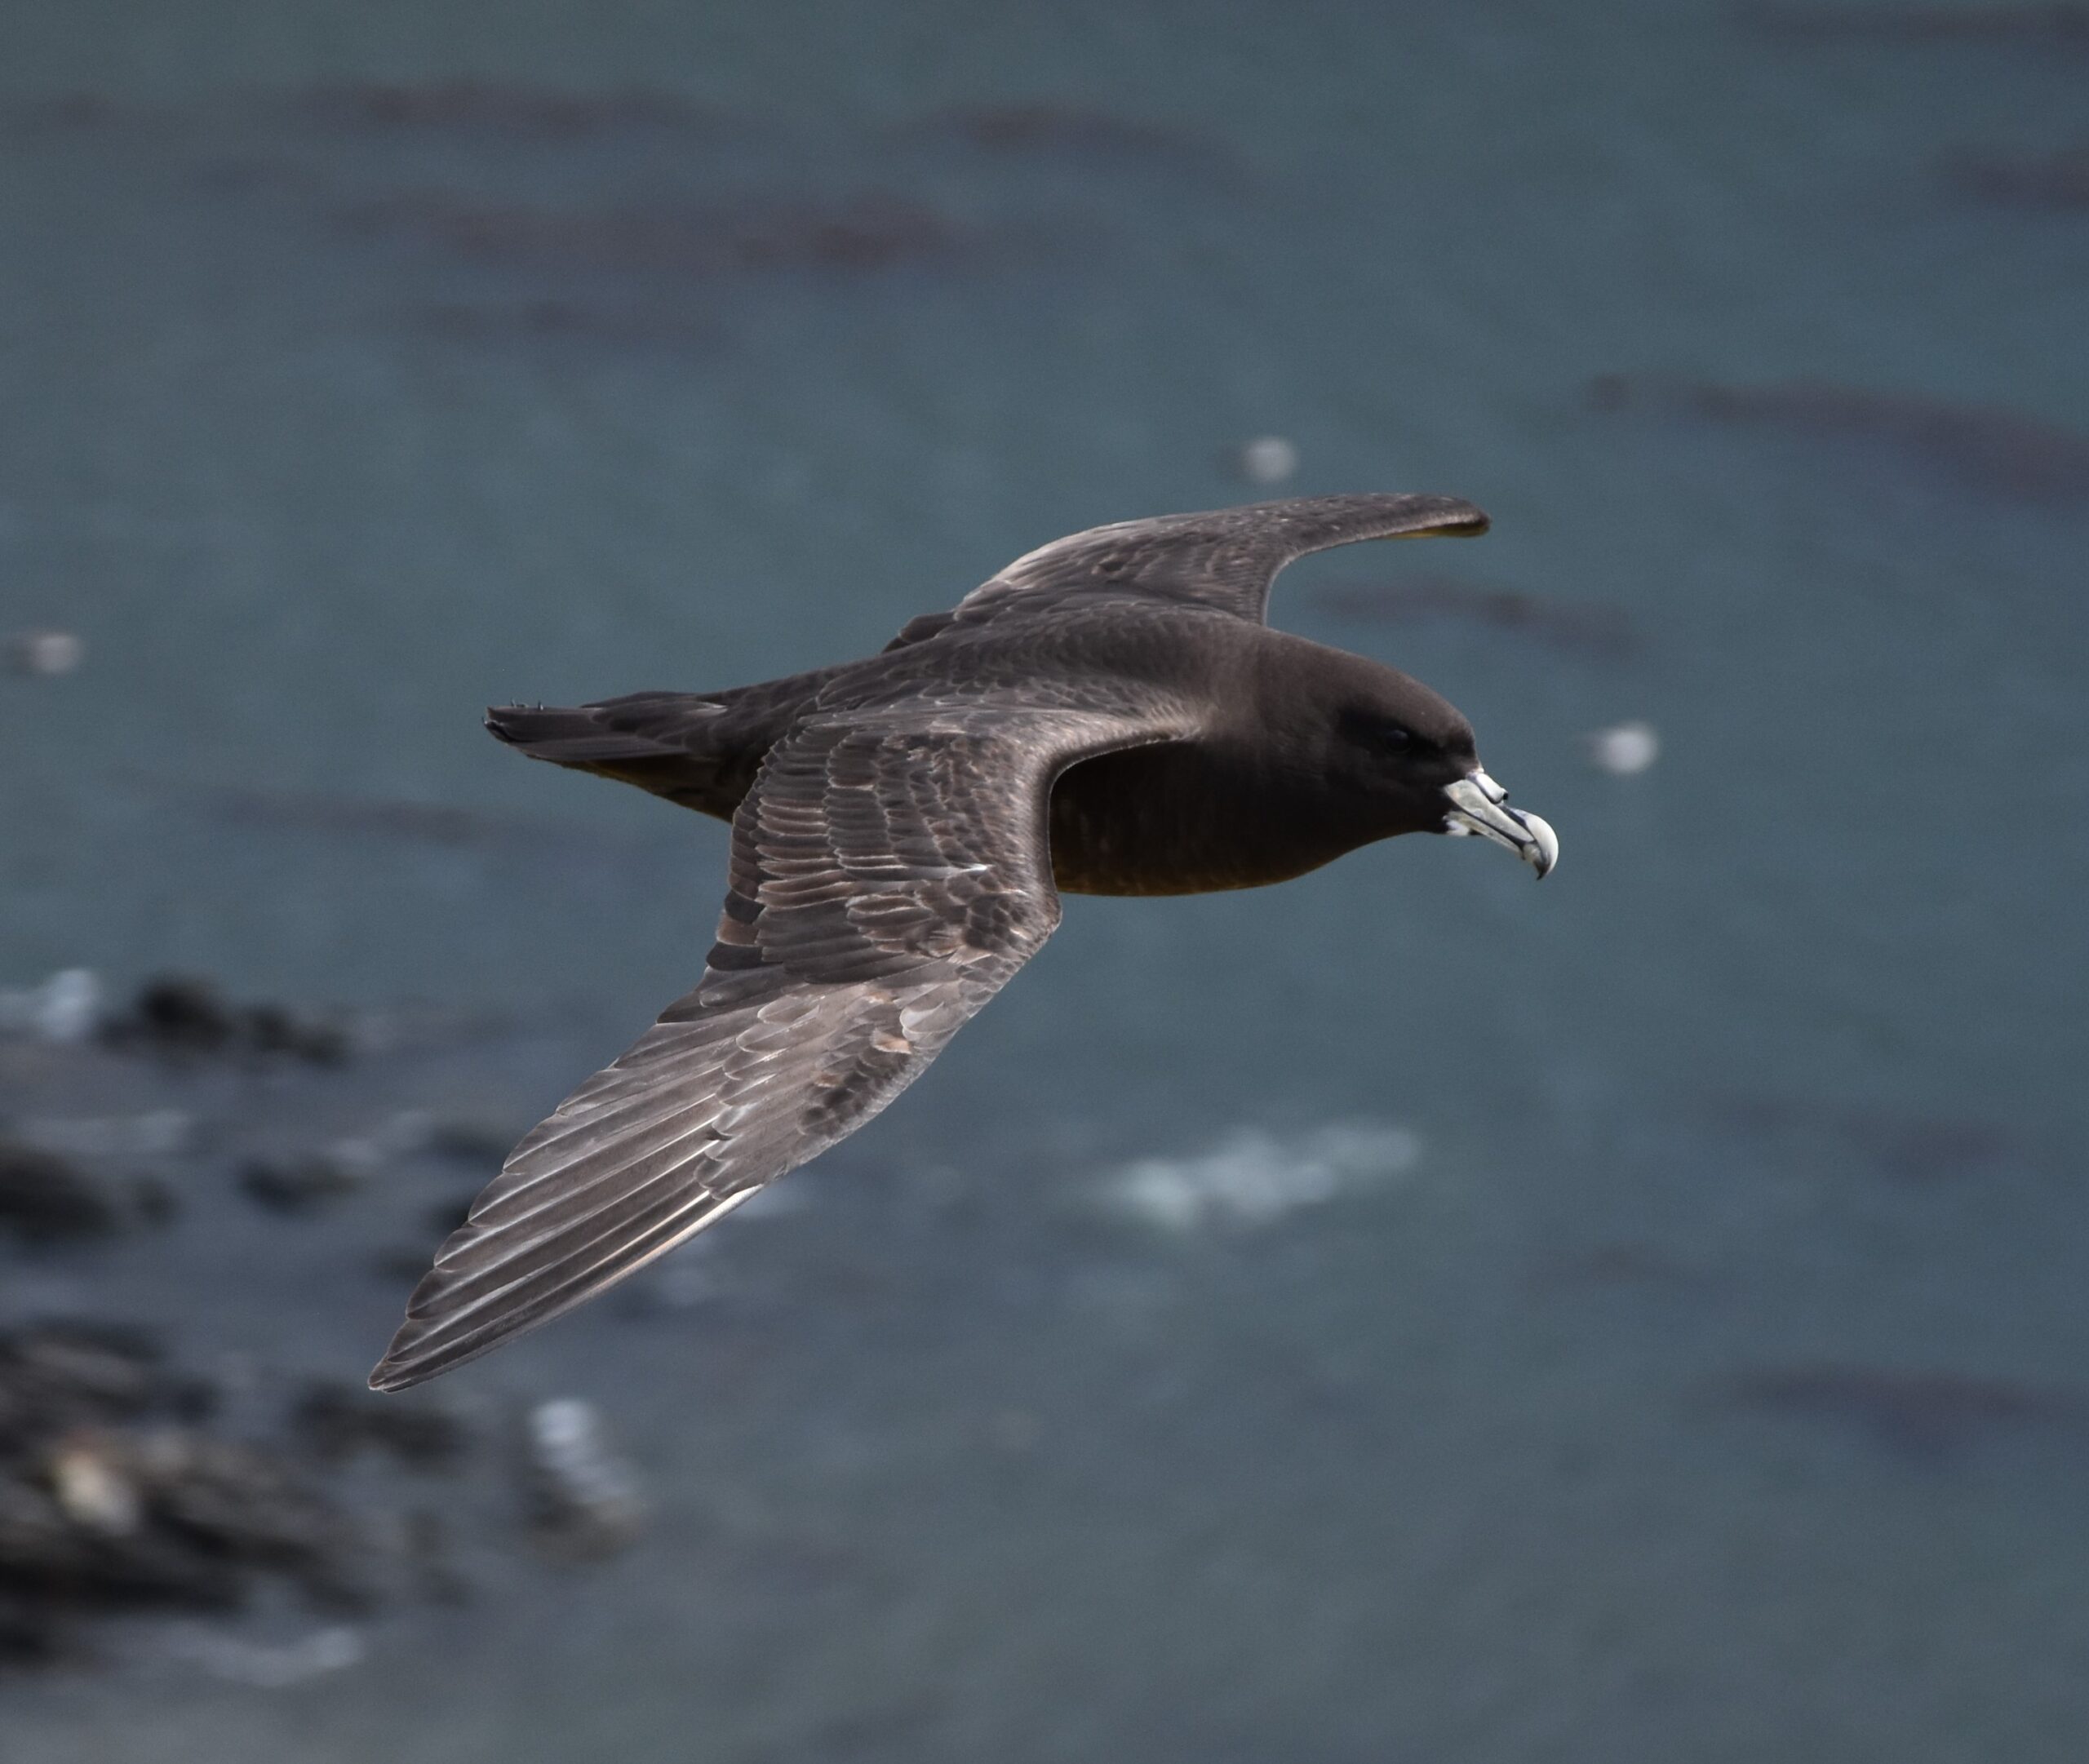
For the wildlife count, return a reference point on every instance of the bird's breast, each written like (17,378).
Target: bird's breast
(1173,819)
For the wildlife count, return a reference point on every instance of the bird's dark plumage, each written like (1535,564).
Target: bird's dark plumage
(1108,715)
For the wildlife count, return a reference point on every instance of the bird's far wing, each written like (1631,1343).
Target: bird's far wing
(1225,559)
(889,871)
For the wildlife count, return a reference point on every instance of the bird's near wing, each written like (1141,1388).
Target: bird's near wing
(889,871)
(1225,559)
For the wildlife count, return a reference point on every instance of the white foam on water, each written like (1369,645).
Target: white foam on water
(1252,1178)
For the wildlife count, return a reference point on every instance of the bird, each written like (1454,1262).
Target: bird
(1110,714)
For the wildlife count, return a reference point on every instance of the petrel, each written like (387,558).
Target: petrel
(1109,715)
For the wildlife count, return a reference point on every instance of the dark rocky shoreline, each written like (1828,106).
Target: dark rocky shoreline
(142,1478)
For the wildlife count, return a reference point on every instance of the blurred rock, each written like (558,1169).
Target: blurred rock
(307,1181)
(58,1376)
(45,1198)
(272,1029)
(338,1420)
(180,1015)
(583,1495)
(177,1014)
(302,1185)
(465,1140)
(124,1491)
(28,1635)
(113,1496)
(244,1504)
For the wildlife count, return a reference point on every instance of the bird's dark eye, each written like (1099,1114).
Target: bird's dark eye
(1394,739)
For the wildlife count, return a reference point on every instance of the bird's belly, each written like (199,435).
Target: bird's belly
(1156,821)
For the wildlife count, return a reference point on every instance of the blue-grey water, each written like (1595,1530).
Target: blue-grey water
(1710,1384)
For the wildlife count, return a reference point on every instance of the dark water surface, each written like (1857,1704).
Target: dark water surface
(1704,1383)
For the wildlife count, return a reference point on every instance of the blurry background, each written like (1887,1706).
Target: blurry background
(1410,1315)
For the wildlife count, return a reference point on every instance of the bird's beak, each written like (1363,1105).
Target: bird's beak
(1480,805)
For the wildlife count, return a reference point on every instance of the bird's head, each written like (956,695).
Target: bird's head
(1406,757)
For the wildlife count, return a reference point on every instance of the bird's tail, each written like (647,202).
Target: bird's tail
(701,750)
(574,736)
(674,744)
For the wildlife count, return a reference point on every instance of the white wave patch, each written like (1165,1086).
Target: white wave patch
(1252,1178)
(262,1666)
(65,1010)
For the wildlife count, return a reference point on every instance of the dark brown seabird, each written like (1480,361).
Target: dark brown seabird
(1108,716)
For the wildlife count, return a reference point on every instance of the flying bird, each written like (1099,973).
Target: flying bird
(1109,715)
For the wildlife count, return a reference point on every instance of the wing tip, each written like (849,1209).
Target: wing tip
(406,1361)
(411,1360)
(423,1346)
(395,1371)
(1461,520)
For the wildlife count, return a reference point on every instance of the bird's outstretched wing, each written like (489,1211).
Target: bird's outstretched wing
(1225,559)
(889,871)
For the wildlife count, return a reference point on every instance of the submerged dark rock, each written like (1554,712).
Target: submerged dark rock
(302,1185)
(1989,448)
(178,1013)
(115,1495)
(1590,626)
(45,1198)
(181,1015)
(1909,1146)
(860,234)
(492,107)
(1921,1416)
(58,1376)
(1079,135)
(338,1420)
(2058,181)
